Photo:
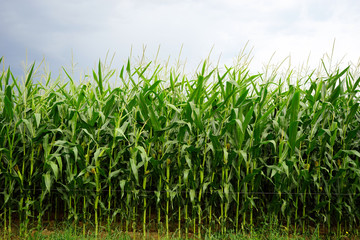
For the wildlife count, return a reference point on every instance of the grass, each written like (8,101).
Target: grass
(267,231)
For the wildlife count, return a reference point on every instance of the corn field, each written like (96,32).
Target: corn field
(165,152)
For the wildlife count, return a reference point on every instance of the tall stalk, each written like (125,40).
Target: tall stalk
(200,146)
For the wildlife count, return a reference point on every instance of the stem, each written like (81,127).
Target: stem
(222,216)
(159,189)
(246,194)
(144,189)
(159,206)
(127,213)
(296,209)
(251,206)
(5,227)
(238,199)
(210,221)
(134,217)
(186,215)
(144,211)
(318,197)
(228,199)
(210,208)
(304,213)
(222,202)
(75,214)
(109,207)
(167,196)
(179,210)
(96,217)
(40,210)
(84,216)
(97,200)
(9,225)
(144,218)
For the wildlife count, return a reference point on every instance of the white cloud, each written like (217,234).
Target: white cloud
(90,28)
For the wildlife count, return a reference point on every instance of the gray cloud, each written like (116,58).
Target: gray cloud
(90,28)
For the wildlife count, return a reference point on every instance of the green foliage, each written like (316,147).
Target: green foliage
(216,152)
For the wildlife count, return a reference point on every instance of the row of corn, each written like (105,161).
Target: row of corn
(146,150)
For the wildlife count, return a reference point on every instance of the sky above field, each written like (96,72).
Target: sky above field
(84,31)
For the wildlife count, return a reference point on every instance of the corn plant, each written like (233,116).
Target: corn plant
(151,149)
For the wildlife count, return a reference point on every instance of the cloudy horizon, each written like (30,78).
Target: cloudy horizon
(85,31)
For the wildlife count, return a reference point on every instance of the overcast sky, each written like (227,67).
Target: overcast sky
(87,29)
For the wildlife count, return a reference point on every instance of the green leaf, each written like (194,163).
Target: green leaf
(226,191)
(283,207)
(47,180)
(294,110)
(28,83)
(8,108)
(114,174)
(208,103)
(269,141)
(121,131)
(192,195)
(173,107)
(350,152)
(248,178)
(29,126)
(37,119)
(352,113)
(247,119)
(100,80)
(188,161)
(186,175)
(133,165)
(54,168)
(335,95)
(285,167)
(274,170)
(122,186)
